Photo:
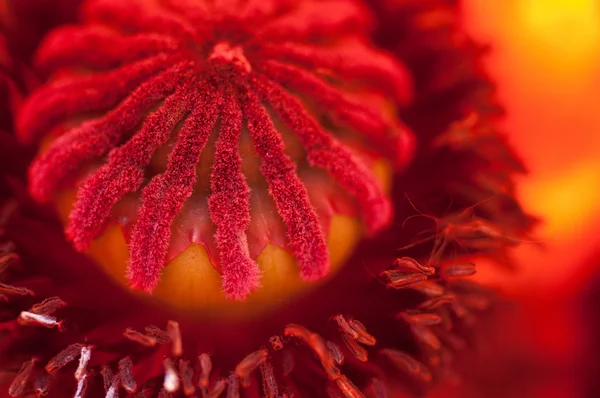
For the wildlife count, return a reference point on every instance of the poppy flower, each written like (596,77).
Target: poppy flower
(246,198)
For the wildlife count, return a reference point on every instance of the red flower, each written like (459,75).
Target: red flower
(301,80)
(229,70)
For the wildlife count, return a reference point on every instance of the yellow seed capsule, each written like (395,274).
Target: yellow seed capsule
(191,282)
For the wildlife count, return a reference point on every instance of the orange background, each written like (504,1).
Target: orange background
(546,62)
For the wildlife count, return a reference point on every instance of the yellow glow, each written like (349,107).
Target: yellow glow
(546,61)
(568,204)
(565,32)
(565,201)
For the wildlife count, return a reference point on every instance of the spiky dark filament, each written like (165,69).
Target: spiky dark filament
(163,60)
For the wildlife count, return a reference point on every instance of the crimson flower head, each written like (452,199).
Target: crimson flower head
(216,161)
(174,76)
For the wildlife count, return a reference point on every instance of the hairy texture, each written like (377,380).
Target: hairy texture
(229,205)
(165,194)
(213,66)
(391,323)
(290,195)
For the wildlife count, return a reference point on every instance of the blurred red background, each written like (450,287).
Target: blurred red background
(546,63)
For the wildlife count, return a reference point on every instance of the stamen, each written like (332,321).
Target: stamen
(175,337)
(107,377)
(113,390)
(408,364)
(41,384)
(233,389)
(27,318)
(409,264)
(401,280)
(476,301)
(17,387)
(276,342)
(64,357)
(270,388)
(318,345)
(140,338)
(357,351)
(84,357)
(48,307)
(171,383)
(161,336)
(421,319)
(437,302)
(429,288)
(458,270)
(126,374)
(5,260)
(82,385)
(205,369)
(363,336)
(249,364)
(218,388)
(426,336)
(348,388)
(14,290)
(336,353)
(344,326)
(186,373)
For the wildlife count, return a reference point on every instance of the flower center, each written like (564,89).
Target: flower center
(224,52)
(191,281)
(231,180)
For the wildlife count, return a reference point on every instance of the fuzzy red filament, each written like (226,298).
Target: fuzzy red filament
(212,66)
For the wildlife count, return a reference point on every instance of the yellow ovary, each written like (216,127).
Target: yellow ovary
(191,283)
